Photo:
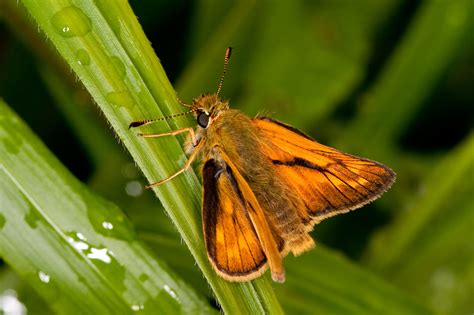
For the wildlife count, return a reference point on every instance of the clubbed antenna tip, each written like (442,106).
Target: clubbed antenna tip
(136,124)
(228,52)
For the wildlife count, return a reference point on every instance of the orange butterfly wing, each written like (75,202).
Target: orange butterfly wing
(232,242)
(327,180)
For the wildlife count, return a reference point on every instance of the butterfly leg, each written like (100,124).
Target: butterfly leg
(191,158)
(171,133)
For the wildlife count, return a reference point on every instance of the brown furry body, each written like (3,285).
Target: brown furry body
(234,133)
(265,186)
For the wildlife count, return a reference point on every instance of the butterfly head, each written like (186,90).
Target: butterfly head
(207,108)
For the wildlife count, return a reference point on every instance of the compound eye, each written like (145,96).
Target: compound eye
(203,119)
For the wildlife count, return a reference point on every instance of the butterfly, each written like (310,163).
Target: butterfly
(265,185)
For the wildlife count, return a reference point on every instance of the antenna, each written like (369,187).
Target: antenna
(151,121)
(183,103)
(226,62)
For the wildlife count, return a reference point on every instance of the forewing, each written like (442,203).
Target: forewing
(231,241)
(327,180)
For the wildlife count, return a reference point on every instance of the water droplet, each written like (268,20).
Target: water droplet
(137,308)
(80,244)
(2,221)
(31,217)
(44,277)
(113,20)
(81,236)
(134,188)
(122,98)
(14,141)
(10,304)
(171,296)
(83,57)
(171,292)
(71,22)
(444,283)
(108,220)
(118,65)
(443,279)
(143,277)
(107,225)
(100,254)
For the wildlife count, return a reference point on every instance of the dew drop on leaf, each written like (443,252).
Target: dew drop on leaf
(121,99)
(107,225)
(10,304)
(71,22)
(44,277)
(171,292)
(83,57)
(137,308)
(143,277)
(134,188)
(101,254)
(118,65)
(31,217)
(108,221)
(2,221)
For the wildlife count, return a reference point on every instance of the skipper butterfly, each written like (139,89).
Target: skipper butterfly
(265,185)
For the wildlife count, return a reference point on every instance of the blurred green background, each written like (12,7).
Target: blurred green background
(389,80)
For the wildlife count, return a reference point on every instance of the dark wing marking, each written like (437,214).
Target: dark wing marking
(232,244)
(327,180)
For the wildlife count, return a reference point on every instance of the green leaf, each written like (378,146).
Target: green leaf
(76,249)
(425,249)
(21,293)
(105,46)
(324,282)
(237,24)
(298,58)
(433,40)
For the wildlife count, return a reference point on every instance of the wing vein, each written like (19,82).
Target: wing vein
(320,192)
(246,242)
(368,172)
(238,244)
(225,244)
(357,175)
(346,183)
(335,186)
